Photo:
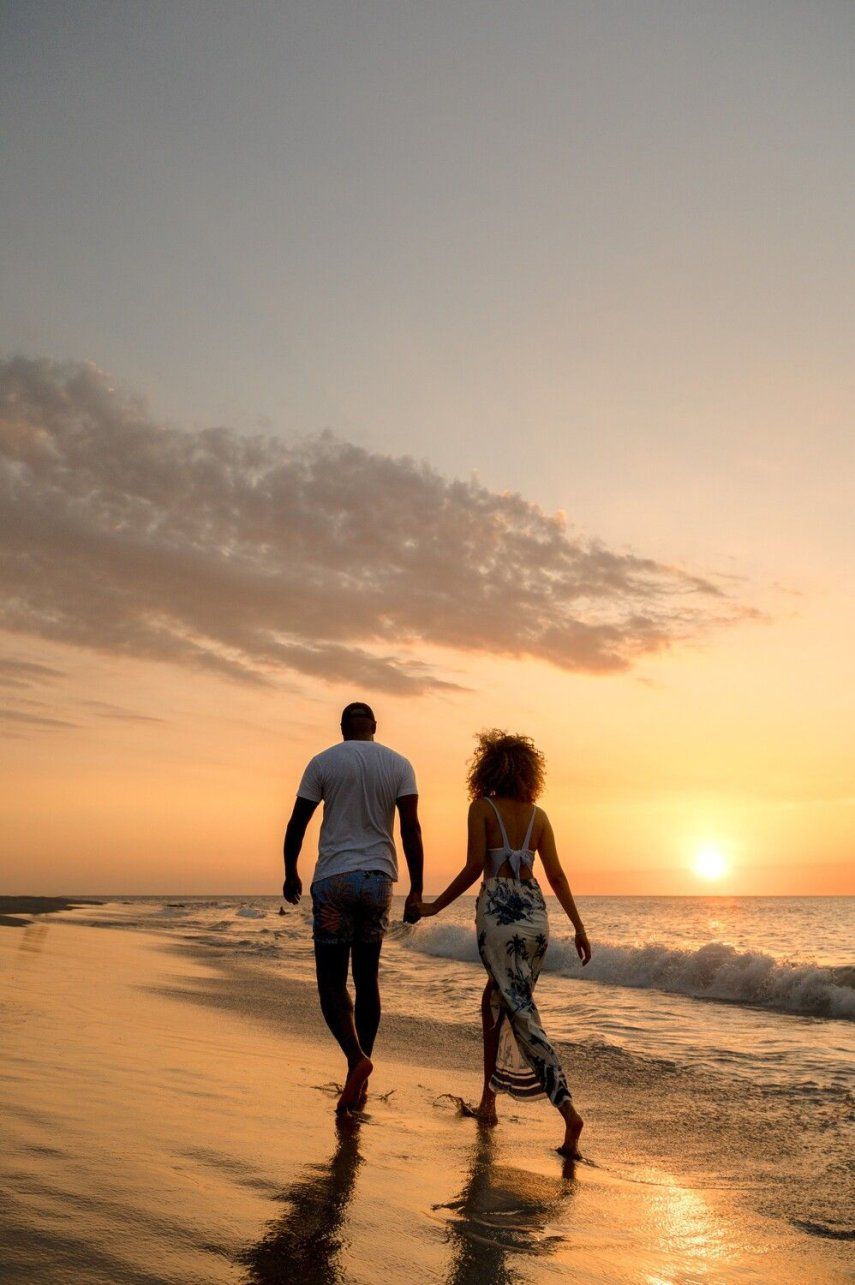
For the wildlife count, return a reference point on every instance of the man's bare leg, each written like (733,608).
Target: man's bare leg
(365,965)
(490,1029)
(331,965)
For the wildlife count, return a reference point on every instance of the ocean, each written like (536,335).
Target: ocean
(760,988)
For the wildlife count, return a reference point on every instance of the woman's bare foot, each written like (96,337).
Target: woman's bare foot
(472,1113)
(573,1126)
(486,1108)
(357,1078)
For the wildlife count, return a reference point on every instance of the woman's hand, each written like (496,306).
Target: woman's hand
(583,946)
(416,909)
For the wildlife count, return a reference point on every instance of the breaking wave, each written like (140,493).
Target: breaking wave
(714,971)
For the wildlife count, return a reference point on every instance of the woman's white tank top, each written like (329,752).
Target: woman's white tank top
(515,857)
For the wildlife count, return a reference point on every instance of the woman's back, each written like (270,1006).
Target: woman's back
(513,830)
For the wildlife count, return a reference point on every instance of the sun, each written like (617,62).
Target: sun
(710,864)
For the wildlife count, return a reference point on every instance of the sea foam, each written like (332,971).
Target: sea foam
(714,971)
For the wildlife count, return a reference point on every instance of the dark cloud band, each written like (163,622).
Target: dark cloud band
(247,555)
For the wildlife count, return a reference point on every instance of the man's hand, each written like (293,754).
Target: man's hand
(412,908)
(292,888)
(583,947)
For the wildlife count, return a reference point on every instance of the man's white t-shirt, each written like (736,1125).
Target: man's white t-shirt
(359,782)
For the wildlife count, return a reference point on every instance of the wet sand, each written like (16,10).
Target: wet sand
(15,912)
(169,1117)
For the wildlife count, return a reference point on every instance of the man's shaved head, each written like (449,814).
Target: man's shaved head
(358,721)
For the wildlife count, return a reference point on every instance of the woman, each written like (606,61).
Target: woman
(505,778)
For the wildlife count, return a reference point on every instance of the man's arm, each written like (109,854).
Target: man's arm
(295,833)
(411,840)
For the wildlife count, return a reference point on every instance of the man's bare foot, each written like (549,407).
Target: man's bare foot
(357,1078)
(363,1096)
(573,1126)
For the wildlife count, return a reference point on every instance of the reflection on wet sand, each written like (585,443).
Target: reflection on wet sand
(501,1211)
(306,1243)
(33,938)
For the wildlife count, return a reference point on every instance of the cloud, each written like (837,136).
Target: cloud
(249,555)
(105,710)
(17,677)
(25,673)
(19,716)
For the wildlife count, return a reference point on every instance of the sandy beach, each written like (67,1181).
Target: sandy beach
(168,1116)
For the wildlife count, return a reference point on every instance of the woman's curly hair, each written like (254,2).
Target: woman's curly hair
(505,765)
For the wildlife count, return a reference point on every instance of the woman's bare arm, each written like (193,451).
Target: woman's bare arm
(558,882)
(476,850)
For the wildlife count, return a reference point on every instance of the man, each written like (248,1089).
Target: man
(361,783)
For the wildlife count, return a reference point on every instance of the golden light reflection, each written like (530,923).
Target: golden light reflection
(690,1229)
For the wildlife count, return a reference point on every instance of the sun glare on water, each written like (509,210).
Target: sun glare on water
(710,864)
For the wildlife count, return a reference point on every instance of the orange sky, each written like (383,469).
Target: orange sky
(706,747)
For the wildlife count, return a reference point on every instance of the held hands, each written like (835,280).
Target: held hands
(583,947)
(292,888)
(416,909)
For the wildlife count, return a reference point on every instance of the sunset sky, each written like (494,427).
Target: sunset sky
(492,363)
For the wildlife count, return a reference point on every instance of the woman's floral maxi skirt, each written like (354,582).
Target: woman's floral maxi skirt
(513,933)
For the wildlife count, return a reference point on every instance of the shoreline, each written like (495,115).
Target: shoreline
(638,1111)
(12,908)
(170,1116)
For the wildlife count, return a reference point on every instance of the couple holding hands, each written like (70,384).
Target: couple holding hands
(361,783)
